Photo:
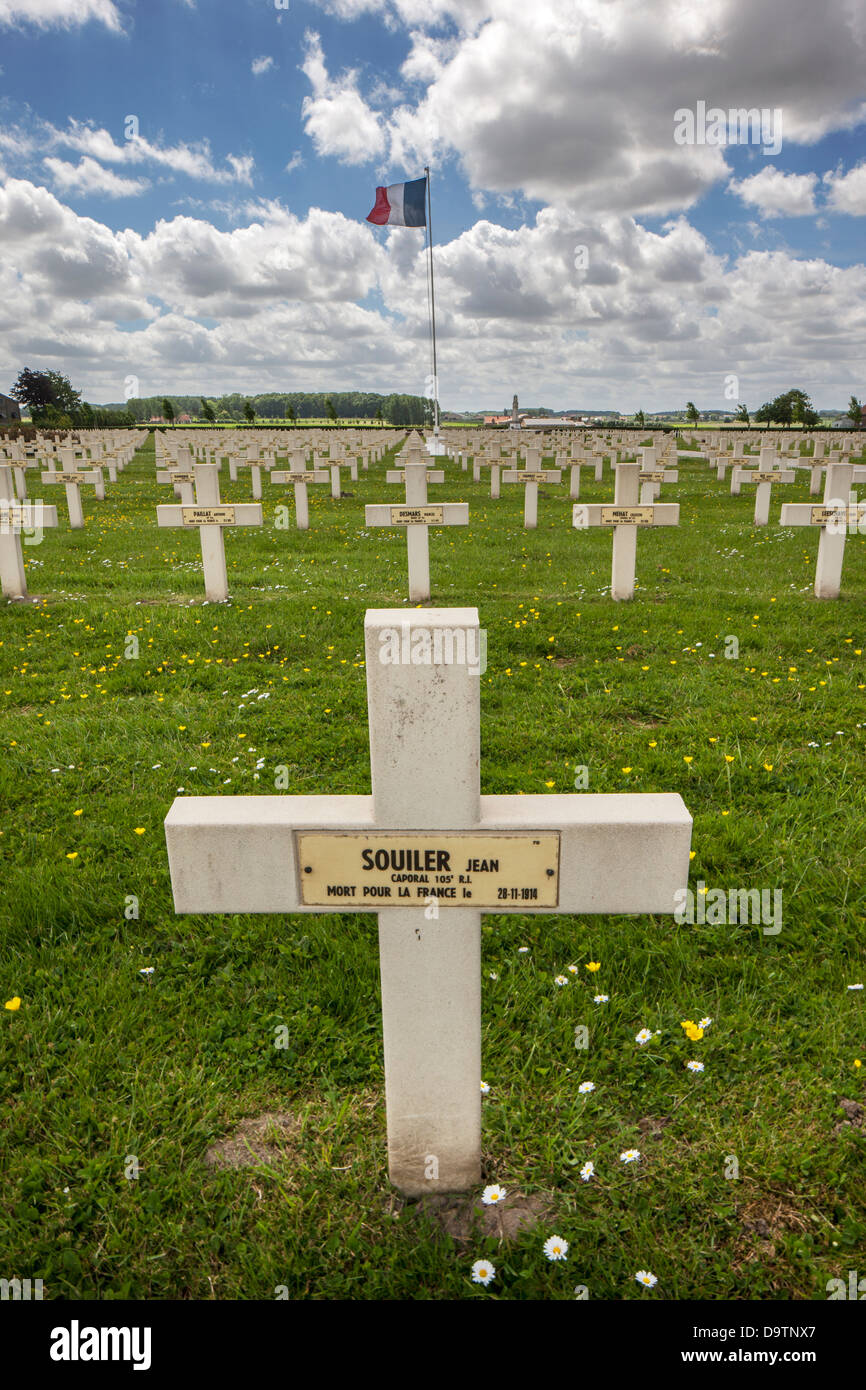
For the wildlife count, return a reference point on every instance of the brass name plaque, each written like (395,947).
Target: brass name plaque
(651,476)
(431,474)
(182,478)
(758,477)
(307,476)
(416,516)
(852,516)
(526,477)
(626,516)
(72,478)
(208,516)
(499,870)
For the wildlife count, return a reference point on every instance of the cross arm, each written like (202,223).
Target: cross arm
(618,852)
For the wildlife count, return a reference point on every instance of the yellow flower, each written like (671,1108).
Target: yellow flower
(687,759)
(729,758)
(593,965)
(139,830)
(653,743)
(73,855)
(14,1004)
(692,853)
(768,767)
(626,769)
(857,1061)
(78,813)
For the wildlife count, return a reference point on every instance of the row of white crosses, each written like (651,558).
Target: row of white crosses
(428,854)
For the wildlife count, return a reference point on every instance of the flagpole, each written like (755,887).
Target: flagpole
(432,306)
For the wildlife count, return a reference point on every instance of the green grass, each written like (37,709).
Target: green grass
(101,1063)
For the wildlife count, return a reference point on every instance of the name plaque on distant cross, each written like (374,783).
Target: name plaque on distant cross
(416,516)
(389,869)
(650,475)
(208,516)
(826,516)
(72,478)
(767,477)
(626,516)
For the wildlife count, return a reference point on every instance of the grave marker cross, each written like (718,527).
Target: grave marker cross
(429,854)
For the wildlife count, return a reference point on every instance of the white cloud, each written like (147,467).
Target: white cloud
(88,177)
(193,160)
(336,118)
(573,101)
(847,191)
(60,13)
(775,194)
(296,162)
(657,317)
(260,65)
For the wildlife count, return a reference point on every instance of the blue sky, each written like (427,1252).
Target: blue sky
(224,246)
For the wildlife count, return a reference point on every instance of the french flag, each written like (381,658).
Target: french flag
(400,205)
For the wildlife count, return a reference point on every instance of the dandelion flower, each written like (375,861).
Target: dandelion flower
(644,1277)
(629,1155)
(493,1195)
(585,1087)
(643,1036)
(587,1171)
(555,1248)
(482,1272)
(695,1066)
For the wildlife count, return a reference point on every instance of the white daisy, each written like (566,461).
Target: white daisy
(555,1248)
(600,998)
(560,980)
(644,1277)
(485,1088)
(522,950)
(629,1155)
(482,1272)
(493,1194)
(704,1022)
(695,1066)
(587,1170)
(572,969)
(643,1036)
(585,1087)
(147,970)
(855,986)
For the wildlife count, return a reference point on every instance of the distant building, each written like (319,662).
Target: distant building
(9,409)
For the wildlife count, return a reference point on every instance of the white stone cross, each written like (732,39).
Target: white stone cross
(530,477)
(625,516)
(74,478)
(210,516)
(417,516)
(298,475)
(429,854)
(765,478)
(653,474)
(839,512)
(17,515)
(183,481)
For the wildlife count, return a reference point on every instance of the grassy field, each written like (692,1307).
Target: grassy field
(106,1071)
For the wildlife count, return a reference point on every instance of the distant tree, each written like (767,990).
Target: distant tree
(855,411)
(379,415)
(693,415)
(249,412)
(290,413)
(207,411)
(640,419)
(742,416)
(168,411)
(329,409)
(44,392)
